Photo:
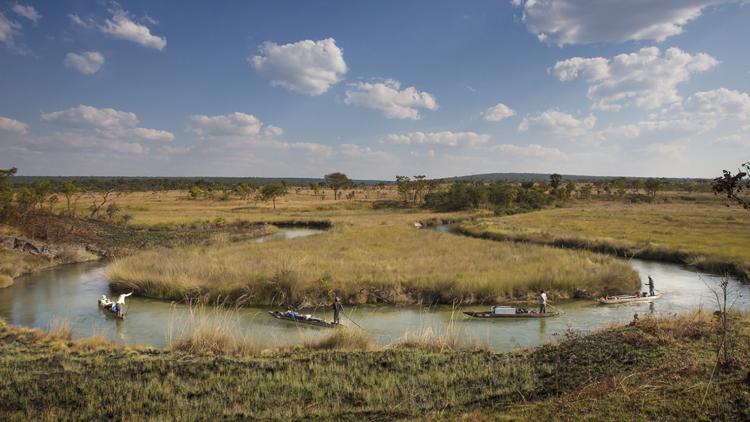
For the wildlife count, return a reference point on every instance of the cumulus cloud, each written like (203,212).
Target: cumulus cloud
(558,123)
(96,129)
(234,124)
(529,151)
(14,126)
(583,21)
(27,12)
(446,138)
(8,30)
(308,67)
(122,27)
(84,116)
(88,62)
(646,79)
(389,99)
(498,112)
(719,104)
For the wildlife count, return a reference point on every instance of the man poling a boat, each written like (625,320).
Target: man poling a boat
(650,284)
(542,302)
(337,309)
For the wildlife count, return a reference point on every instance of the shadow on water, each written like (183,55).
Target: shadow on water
(71,291)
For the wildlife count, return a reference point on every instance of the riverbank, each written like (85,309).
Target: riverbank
(706,236)
(391,263)
(658,369)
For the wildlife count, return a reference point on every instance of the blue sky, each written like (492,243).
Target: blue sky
(442,88)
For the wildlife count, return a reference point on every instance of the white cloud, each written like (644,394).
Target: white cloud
(309,67)
(13,126)
(529,151)
(234,124)
(8,30)
(273,131)
(498,112)
(719,104)
(353,151)
(27,12)
(646,79)
(88,62)
(586,21)
(446,138)
(84,116)
(95,129)
(672,148)
(388,98)
(120,26)
(558,123)
(153,134)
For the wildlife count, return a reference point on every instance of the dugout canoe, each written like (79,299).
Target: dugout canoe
(302,320)
(490,315)
(616,300)
(106,308)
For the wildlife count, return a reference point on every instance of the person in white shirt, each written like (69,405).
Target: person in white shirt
(543,302)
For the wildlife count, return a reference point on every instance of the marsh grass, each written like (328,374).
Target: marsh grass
(391,264)
(707,235)
(212,330)
(60,328)
(342,338)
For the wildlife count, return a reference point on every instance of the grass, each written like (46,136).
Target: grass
(392,264)
(706,234)
(658,369)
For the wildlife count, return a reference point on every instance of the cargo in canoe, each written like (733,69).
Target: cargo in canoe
(510,312)
(106,307)
(616,300)
(301,319)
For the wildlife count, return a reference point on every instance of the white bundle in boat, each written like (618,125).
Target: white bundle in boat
(503,310)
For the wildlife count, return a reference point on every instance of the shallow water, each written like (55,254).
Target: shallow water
(70,292)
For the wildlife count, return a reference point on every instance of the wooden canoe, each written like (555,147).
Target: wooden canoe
(490,315)
(616,300)
(302,320)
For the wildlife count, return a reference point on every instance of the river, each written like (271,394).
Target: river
(70,293)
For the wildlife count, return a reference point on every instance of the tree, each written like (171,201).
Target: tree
(337,181)
(570,187)
(503,195)
(69,189)
(404,187)
(272,191)
(555,180)
(733,184)
(652,186)
(6,193)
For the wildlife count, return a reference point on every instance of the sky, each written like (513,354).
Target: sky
(374,89)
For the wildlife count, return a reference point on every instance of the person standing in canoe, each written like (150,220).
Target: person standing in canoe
(650,285)
(337,308)
(542,302)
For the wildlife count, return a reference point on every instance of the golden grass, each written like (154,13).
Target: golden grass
(213,330)
(369,264)
(703,232)
(342,338)
(5,281)
(13,263)
(60,329)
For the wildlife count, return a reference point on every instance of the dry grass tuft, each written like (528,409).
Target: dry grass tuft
(5,281)
(343,338)
(60,329)
(214,330)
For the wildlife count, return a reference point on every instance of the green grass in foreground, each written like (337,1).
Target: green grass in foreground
(708,235)
(657,370)
(396,264)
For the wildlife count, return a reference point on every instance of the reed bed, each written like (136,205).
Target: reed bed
(210,330)
(396,265)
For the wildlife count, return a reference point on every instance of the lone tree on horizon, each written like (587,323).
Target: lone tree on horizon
(733,184)
(337,181)
(272,191)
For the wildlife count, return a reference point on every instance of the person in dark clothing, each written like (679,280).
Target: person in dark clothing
(337,309)
(650,285)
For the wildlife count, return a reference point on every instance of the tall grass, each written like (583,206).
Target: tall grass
(342,338)
(210,329)
(709,236)
(369,264)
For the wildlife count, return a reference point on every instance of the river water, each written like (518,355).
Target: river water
(70,293)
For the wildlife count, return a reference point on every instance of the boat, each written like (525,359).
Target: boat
(301,319)
(510,312)
(615,300)
(106,306)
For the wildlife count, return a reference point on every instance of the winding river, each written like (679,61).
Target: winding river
(70,293)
